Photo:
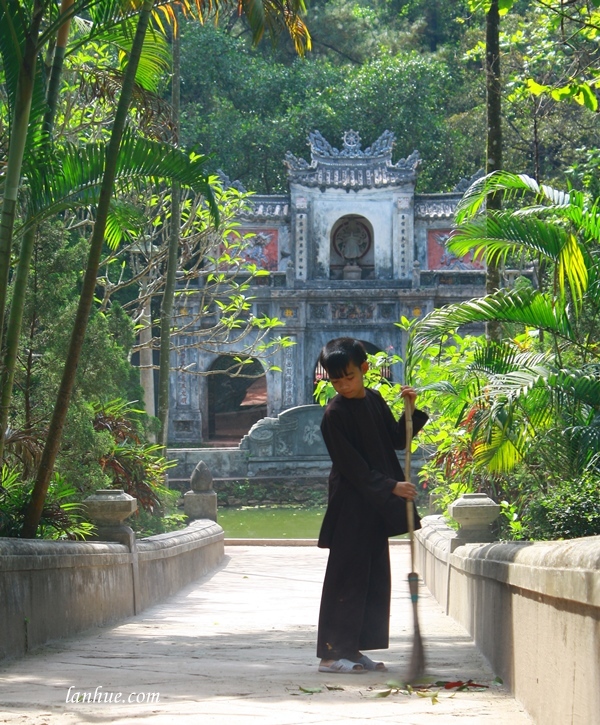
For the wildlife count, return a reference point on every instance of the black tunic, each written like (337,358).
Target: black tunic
(361,435)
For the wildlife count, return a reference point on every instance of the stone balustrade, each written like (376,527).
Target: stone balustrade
(532,608)
(55,589)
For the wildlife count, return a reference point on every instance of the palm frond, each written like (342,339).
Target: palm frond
(14,28)
(153,114)
(499,454)
(75,174)
(155,59)
(124,219)
(525,306)
(274,16)
(499,235)
(512,186)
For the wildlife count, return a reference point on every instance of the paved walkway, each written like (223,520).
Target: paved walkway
(237,647)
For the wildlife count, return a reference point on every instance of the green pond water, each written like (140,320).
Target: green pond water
(265,522)
(277,522)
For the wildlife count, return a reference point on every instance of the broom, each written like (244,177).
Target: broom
(417,660)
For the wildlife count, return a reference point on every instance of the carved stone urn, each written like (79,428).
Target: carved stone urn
(474,512)
(108,509)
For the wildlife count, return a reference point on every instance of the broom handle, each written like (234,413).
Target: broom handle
(410,512)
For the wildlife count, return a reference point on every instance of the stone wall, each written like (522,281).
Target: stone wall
(288,448)
(55,589)
(532,608)
(306,491)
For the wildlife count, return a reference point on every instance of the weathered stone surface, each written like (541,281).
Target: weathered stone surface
(54,589)
(200,505)
(109,507)
(201,478)
(295,433)
(533,609)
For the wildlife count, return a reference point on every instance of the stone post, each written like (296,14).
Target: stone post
(201,501)
(108,509)
(474,512)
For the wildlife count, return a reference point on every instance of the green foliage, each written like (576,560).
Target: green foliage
(62,516)
(570,509)
(131,464)
(249,120)
(164,517)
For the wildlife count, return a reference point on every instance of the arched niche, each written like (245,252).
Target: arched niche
(352,245)
(237,398)
(321,374)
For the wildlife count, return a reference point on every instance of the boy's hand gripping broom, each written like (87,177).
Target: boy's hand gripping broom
(417,660)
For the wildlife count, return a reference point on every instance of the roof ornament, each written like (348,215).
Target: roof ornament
(351,167)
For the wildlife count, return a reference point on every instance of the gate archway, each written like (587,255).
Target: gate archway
(237,398)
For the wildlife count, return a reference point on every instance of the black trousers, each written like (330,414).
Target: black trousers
(355,604)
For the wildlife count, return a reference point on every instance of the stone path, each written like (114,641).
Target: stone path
(237,647)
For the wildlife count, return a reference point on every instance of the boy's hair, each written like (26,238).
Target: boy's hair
(339,353)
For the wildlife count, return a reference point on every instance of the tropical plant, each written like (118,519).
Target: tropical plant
(62,516)
(130,463)
(530,400)
(569,510)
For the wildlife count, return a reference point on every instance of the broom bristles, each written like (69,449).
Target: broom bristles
(416,668)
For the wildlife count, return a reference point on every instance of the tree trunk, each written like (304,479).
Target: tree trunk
(13,332)
(494,139)
(20,286)
(16,152)
(86,299)
(57,67)
(166,310)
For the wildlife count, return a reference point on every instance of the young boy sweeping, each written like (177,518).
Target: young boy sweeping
(368,497)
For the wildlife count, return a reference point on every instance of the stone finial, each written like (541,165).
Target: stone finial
(474,512)
(201,501)
(201,478)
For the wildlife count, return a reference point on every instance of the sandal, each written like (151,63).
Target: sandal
(368,664)
(343,667)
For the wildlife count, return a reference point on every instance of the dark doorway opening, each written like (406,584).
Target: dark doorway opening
(237,398)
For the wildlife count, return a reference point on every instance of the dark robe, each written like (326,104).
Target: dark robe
(361,435)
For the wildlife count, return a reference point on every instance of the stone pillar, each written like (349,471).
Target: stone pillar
(108,509)
(416,275)
(201,501)
(475,512)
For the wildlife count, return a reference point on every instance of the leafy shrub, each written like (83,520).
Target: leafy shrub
(61,515)
(162,518)
(570,510)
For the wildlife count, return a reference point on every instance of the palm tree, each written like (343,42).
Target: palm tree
(267,15)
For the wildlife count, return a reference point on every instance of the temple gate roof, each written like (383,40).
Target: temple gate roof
(351,167)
